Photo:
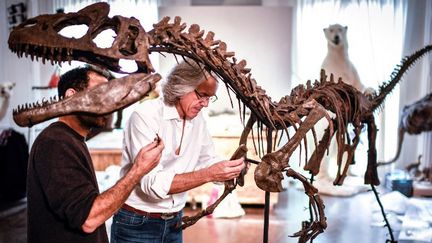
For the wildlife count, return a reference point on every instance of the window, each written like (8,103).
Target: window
(375,37)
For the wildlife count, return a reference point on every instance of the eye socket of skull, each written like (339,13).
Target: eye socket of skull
(128,47)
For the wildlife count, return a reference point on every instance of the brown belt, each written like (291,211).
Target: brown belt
(164,216)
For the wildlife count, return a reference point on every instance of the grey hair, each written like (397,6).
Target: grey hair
(184,78)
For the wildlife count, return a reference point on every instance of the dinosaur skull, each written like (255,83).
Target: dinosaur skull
(39,37)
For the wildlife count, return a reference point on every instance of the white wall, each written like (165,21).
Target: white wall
(260,35)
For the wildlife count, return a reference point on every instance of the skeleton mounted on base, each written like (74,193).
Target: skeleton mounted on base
(302,109)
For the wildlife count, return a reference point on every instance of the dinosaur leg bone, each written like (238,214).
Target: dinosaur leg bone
(310,230)
(268,174)
(371,175)
(314,163)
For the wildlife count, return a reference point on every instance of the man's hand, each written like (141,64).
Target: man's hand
(107,203)
(226,170)
(148,157)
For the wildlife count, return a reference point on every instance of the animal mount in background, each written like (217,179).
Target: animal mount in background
(5,94)
(415,119)
(337,61)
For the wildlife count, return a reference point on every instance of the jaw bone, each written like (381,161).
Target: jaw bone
(103,99)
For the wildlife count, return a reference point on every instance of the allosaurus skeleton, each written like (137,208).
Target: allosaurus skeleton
(302,109)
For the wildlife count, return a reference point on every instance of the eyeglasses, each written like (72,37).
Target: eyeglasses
(202,97)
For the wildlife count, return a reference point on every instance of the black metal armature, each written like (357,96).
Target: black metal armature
(392,240)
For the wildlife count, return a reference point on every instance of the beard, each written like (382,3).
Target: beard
(94,122)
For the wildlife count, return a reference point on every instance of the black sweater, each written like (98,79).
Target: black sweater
(61,188)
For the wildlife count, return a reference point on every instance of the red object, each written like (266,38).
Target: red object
(55,77)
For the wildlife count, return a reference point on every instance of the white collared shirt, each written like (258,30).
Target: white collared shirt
(197,151)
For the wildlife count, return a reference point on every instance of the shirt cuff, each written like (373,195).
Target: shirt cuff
(162,184)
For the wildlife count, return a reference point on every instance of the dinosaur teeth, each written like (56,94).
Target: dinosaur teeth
(59,57)
(53,99)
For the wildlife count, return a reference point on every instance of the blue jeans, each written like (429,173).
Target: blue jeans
(129,227)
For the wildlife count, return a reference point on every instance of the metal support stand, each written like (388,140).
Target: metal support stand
(266,216)
(392,239)
(267,194)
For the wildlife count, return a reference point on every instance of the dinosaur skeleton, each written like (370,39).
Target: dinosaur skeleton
(415,119)
(302,109)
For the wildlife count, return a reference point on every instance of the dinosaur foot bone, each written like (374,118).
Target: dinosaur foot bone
(317,224)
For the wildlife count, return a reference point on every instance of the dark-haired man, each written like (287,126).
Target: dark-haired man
(64,204)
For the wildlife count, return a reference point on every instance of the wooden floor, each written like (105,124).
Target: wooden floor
(349,220)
